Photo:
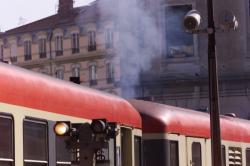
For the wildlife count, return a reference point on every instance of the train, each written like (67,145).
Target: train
(30,106)
(49,122)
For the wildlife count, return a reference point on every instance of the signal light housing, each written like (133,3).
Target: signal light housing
(62,128)
(99,126)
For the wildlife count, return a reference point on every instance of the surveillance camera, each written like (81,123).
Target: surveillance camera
(192,20)
(228,21)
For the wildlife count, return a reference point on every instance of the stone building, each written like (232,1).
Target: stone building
(139,51)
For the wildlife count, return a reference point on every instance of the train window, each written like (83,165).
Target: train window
(63,155)
(248,157)
(137,150)
(6,141)
(196,154)
(235,156)
(35,143)
(223,151)
(174,153)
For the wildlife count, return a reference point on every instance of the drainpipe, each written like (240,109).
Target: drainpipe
(50,52)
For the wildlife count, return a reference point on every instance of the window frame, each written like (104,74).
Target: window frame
(1,52)
(59,45)
(195,36)
(110,72)
(42,47)
(109,38)
(27,50)
(75,43)
(9,116)
(60,74)
(37,121)
(91,40)
(76,71)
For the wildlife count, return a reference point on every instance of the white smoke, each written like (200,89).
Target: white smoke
(138,38)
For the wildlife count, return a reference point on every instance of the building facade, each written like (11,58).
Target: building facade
(141,51)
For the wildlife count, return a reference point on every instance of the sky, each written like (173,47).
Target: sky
(14,13)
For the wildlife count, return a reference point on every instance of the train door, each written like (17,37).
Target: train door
(126,147)
(196,152)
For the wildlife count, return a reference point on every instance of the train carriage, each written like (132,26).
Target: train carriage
(30,105)
(175,136)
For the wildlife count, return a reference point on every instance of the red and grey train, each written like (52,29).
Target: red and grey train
(102,129)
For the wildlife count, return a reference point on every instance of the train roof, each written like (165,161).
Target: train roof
(160,118)
(29,89)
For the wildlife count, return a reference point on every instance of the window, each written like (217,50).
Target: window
(110,73)
(63,155)
(137,150)
(76,72)
(13,52)
(92,42)
(60,74)
(1,52)
(174,153)
(42,48)
(109,38)
(235,156)
(35,143)
(75,43)
(59,45)
(6,141)
(27,50)
(196,154)
(92,75)
(248,157)
(178,43)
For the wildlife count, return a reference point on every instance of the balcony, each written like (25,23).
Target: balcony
(91,48)
(42,55)
(75,50)
(60,52)
(110,80)
(93,82)
(27,57)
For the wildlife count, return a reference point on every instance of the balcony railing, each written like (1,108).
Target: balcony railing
(92,48)
(42,54)
(60,52)
(75,50)
(27,57)
(110,80)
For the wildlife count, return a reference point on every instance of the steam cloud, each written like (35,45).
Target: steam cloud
(138,39)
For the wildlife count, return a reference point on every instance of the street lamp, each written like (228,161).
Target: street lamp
(228,22)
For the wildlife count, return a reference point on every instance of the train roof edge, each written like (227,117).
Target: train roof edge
(29,89)
(163,119)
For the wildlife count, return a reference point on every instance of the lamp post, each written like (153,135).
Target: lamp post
(228,22)
(213,90)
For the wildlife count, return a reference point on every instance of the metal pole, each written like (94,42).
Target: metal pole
(213,90)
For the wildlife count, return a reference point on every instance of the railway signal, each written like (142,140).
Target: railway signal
(87,139)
